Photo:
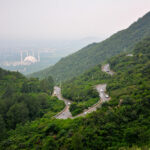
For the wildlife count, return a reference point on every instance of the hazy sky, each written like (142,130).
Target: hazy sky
(43,19)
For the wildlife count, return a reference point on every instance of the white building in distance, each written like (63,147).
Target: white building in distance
(29,59)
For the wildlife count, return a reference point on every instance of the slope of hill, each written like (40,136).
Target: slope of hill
(95,53)
(78,87)
(122,122)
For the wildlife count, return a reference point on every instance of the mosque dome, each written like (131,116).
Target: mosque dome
(30,59)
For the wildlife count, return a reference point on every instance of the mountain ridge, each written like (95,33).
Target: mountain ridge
(95,53)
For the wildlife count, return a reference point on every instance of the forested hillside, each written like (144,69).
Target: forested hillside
(96,53)
(23,100)
(121,123)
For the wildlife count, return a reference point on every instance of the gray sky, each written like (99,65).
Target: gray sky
(62,19)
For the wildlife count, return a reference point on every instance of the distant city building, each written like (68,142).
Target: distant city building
(30,59)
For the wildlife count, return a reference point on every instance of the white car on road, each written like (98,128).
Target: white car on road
(107,96)
(101,90)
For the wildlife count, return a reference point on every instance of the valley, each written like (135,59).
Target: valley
(123,121)
(97,98)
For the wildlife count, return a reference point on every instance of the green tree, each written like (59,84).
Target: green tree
(47,85)
(9,91)
(18,113)
(77,142)
(2,127)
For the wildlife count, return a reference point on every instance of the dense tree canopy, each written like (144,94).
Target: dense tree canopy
(119,124)
(23,99)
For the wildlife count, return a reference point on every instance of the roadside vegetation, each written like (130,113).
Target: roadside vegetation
(121,123)
(81,90)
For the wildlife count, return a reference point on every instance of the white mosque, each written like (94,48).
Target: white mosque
(24,60)
(29,59)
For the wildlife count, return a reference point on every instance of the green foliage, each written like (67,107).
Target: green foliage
(2,127)
(91,55)
(47,85)
(76,109)
(23,100)
(34,85)
(77,142)
(18,113)
(82,91)
(121,123)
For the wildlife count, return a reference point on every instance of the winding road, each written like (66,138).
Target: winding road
(106,68)
(101,89)
(65,113)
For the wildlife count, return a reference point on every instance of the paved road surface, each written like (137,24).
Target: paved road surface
(106,68)
(65,113)
(101,88)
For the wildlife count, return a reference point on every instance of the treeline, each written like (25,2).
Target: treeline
(34,85)
(23,99)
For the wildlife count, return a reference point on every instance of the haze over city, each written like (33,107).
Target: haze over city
(55,28)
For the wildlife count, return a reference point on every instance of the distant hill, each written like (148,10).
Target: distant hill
(91,55)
